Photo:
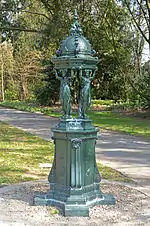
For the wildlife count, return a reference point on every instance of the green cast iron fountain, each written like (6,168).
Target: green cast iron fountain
(74,178)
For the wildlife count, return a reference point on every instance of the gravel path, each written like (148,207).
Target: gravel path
(16,208)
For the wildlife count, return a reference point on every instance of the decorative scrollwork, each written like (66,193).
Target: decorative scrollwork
(76,143)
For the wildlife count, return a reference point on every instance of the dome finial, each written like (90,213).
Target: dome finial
(75,15)
(76,27)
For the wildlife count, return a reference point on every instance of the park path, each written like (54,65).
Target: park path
(125,153)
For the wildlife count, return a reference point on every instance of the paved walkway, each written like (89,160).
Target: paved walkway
(126,153)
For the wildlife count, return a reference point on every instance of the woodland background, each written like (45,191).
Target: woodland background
(119,31)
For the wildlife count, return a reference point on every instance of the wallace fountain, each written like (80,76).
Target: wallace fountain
(74,177)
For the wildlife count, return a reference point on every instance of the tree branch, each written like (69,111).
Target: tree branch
(19,29)
(39,14)
(148,7)
(47,6)
(26,11)
(139,28)
(146,19)
(148,4)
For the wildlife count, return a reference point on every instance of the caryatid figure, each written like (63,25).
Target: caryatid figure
(65,77)
(85,76)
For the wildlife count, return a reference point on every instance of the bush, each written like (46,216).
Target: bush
(11,94)
(49,93)
(140,95)
(103,102)
(44,96)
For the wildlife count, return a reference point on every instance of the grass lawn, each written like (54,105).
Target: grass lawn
(21,154)
(116,122)
(102,119)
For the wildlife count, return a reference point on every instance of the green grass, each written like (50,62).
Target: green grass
(21,153)
(103,102)
(116,122)
(32,107)
(102,119)
(108,173)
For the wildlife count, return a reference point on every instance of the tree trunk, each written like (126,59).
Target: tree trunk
(24,84)
(2,74)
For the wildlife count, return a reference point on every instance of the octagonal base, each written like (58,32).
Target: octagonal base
(73,207)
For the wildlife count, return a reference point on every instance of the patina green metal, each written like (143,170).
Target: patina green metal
(74,178)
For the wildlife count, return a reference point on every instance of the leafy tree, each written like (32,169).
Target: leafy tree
(27,66)
(109,31)
(10,11)
(7,67)
(47,22)
(140,9)
(49,93)
(143,85)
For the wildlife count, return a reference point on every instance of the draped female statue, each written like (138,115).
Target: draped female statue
(85,77)
(65,76)
(65,95)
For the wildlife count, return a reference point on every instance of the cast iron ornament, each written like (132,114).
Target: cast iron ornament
(74,177)
(73,59)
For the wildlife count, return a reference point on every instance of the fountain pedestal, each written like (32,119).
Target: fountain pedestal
(74,177)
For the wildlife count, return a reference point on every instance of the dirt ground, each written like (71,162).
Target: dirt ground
(17,209)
